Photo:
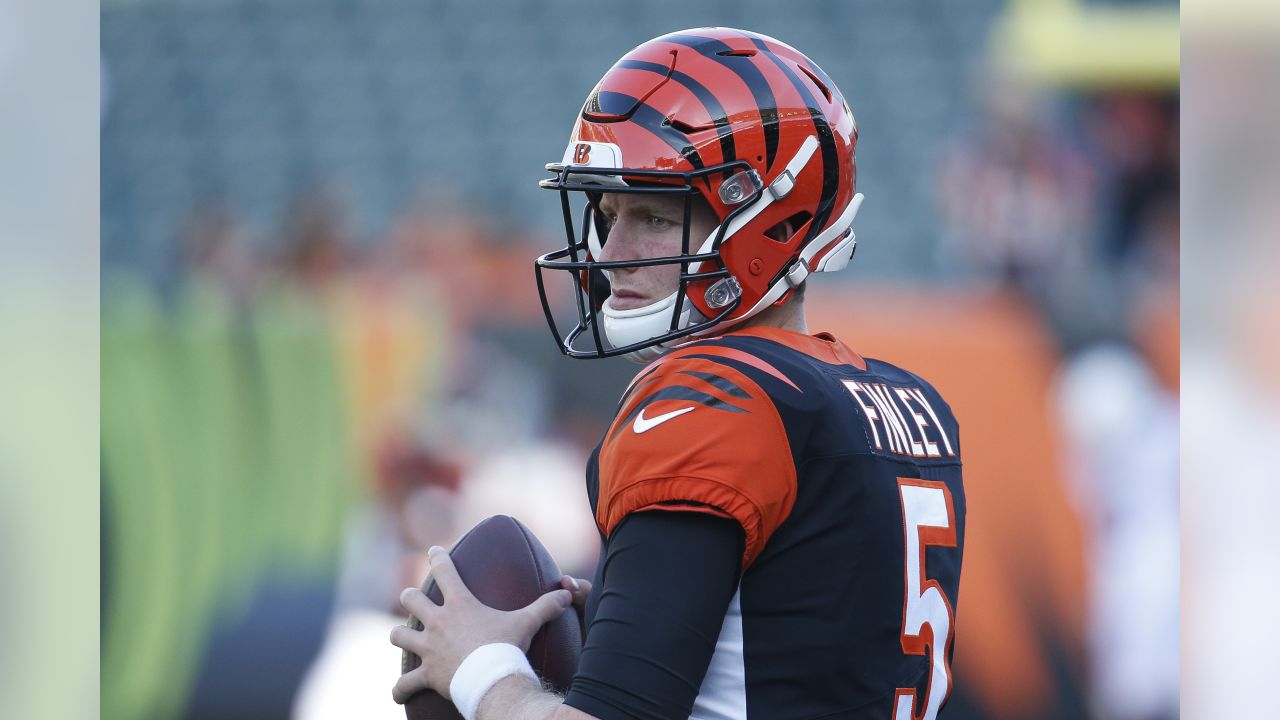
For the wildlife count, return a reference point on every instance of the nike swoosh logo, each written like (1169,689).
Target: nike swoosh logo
(644,424)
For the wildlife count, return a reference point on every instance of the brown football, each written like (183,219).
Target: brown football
(506,568)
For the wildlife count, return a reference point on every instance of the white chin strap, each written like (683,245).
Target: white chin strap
(624,327)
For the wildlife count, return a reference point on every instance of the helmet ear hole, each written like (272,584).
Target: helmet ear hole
(783,231)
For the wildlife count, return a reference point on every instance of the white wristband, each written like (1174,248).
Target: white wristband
(482,669)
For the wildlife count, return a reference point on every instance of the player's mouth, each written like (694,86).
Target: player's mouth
(622,299)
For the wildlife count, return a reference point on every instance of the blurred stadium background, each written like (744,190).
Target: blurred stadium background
(321,350)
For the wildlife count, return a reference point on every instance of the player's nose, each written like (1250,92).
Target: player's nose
(620,244)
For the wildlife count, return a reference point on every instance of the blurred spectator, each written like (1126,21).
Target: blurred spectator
(317,247)
(1071,201)
(541,483)
(1016,195)
(453,428)
(384,552)
(1122,429)
(477,449)
(523,461)
(399,339)
(1135,139)
(217,255)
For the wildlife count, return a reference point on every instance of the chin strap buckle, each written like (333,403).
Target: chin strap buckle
(782,185)
(797,274)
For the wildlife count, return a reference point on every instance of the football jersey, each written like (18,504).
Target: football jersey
(845,476)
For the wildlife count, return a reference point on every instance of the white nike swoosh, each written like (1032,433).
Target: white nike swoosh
(644,424)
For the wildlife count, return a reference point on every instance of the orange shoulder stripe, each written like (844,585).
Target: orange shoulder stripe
(744,358)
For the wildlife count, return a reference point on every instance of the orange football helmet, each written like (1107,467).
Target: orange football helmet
(747,123)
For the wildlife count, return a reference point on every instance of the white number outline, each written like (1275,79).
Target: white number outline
(926,505)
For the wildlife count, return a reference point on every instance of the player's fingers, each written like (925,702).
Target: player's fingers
(546,608)
(579,587)
(406,638)
(416,602)
(407,686)
(446,575)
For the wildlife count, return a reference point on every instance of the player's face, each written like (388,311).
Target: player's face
(649,226)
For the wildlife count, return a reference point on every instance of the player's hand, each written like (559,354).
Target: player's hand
(453,630)
(581,590)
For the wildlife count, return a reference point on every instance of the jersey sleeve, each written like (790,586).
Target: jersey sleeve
(648,648)
(693,433)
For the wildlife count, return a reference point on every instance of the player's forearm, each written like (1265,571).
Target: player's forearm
(518,698)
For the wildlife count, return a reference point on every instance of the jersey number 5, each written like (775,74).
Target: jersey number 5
(928,518)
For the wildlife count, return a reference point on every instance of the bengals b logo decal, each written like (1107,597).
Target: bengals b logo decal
(585,153)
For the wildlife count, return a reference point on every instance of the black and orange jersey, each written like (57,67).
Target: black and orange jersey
(844,476)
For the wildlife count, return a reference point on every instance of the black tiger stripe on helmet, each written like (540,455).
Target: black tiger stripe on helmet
(719,118)
(826,141)
(746,70)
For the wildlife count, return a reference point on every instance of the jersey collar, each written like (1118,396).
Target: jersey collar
(821,346)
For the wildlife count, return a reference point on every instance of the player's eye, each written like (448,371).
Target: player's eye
(658,222)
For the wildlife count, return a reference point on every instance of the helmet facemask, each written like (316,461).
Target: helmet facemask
(641,333)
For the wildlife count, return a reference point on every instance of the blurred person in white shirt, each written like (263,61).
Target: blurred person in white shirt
(1122,432)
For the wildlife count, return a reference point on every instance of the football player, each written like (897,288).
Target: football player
(782,519)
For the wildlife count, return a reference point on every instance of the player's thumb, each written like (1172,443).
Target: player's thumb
(548,607)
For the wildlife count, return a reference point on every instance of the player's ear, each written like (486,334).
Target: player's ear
(783,231)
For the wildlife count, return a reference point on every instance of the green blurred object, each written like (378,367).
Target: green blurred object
(226,456)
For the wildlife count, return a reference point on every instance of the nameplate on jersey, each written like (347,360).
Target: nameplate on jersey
(900,420)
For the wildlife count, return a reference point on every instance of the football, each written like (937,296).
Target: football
(505,567)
